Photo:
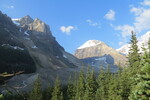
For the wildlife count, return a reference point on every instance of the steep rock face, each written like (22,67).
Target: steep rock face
(14,56)
(39,26)
(24,21)
(143,40)
(95,48)
(44,49)
(34,41)
(101,62)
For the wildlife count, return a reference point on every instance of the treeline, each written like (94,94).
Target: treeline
(130,83)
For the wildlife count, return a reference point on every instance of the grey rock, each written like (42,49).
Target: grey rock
(25,20)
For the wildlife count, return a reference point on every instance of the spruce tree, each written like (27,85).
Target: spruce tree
(36,93)
(57,92)
(90,85)
(1,97)
(71,90)
(47,93)
(100,93)
(133,55)
(141,91)
(80,91)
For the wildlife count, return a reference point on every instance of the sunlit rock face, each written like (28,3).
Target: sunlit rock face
(95,48)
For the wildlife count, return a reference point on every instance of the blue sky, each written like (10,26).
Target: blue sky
(73,22)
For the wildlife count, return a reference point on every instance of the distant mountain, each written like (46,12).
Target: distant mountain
(28,45)
(141,40)
(97,53)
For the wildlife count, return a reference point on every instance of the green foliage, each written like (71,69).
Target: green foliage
(133,55)
(47,93)
(1,97)
(36,93)
(100,93)
(80,86)
(71,90)
(90,85)
(57,92)
(141,90)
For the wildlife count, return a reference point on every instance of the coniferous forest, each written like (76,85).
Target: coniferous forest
(129,83)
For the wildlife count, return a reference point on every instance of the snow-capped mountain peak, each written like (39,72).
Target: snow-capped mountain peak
(124,49)
(90,43)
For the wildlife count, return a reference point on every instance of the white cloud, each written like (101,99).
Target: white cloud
(92,23)
(11,7)
(67,29)
(121,43)
(142,21)
(146,3)
(136,11)
(110,15)
(125,30)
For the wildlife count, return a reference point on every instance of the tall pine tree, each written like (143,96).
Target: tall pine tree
(133,55)
(141,91)
(90,85)
(80,86)
(36,93)
(47,93)
(57,92)
(100,93)
(71,90)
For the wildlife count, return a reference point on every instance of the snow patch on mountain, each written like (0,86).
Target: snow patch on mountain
(90,43)
(64,56)
(34,47)
(14,47)
(26,33)
(16,21)
(124,49)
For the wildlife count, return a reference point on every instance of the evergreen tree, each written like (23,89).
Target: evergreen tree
(124,83)
(90,85)
(100,93)
(80,86)
(36,93)
(113,89)
(141,91)
(133,55)
(71,90)
(47,93)
(57,92)
(1,97)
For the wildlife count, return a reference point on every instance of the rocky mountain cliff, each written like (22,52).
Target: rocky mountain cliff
(141,40)
(31,48)
(94,52)
(14,56)
(42,46)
